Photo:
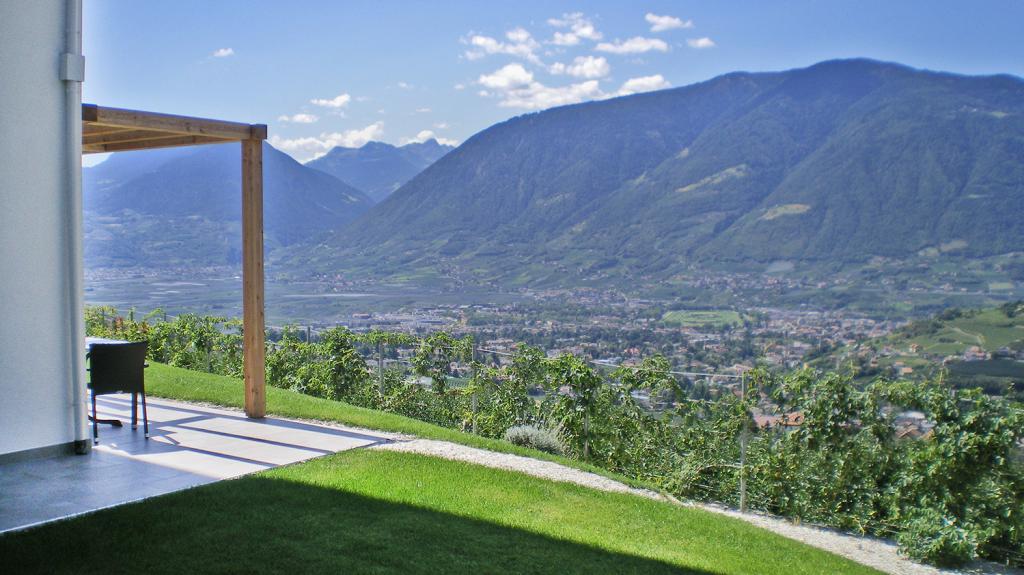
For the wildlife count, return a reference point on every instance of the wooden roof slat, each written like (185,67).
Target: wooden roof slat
(95,130)
(129,136)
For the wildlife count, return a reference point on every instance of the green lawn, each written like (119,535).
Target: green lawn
(176,383)
(367,511)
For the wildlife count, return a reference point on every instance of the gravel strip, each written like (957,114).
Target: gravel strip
(527,465)
(876,553)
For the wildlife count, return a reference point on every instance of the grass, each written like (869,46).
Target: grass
(699,318)
(368,511)
(992,368)
(990,329)
(182,384)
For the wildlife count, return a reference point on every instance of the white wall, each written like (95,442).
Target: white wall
(37,273)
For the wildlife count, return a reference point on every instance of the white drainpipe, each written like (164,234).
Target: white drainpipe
(72,73)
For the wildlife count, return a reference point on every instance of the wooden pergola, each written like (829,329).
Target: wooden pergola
(116,130)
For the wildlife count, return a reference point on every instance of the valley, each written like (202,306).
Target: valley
(708,320)
(752,219)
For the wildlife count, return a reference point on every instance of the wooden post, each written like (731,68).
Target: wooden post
(254,364)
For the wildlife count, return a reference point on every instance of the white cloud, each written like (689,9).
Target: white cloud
(441,126)
(700,43)
(223,52)
(643,84)
(310,147)
(579,27)
(459,86)
(565,39)
(423,110)
(518,35)
(298,118)
(521,45)
(516,88)
(425,135)
(405,85)
(583,67)
(537,96)
(637,45)
(339,101)
(508,77)
(662,23)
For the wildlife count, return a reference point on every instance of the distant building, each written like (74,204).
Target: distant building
(789,420)
(975,353)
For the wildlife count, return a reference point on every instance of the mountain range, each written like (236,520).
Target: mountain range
(839,162)
(836,164)
(182,206)
(378,169)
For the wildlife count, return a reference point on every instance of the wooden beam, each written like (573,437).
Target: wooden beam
(253,360)
(164,141)
(116,117)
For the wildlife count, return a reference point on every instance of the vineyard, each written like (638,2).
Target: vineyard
(810,446)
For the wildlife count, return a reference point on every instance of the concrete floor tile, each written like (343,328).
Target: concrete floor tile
(189,445)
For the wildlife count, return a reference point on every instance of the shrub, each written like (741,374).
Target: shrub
(935,537)
(535,437)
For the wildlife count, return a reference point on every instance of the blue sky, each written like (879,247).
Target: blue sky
(325,73)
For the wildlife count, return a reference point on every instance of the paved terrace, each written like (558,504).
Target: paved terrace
(189,445)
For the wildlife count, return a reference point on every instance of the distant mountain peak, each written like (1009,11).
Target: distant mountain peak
(431,143)
(379,168)
(136,201)
(375,145)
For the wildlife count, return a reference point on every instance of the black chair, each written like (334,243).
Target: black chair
(118,368)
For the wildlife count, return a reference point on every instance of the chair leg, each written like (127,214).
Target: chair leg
(95,423)
(145,418)
(135,410)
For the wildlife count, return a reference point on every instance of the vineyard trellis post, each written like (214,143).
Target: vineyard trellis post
(473,398)
(586,425)
(586,434)
(380,365)
(743,445)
